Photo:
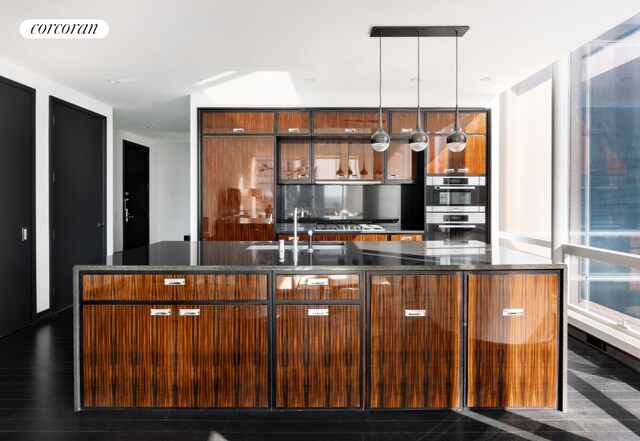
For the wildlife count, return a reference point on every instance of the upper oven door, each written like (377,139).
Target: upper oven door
(454,194)
(453,198)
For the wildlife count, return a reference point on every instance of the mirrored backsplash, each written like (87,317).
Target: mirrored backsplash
(374,203)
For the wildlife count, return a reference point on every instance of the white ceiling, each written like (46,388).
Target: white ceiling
(159,49)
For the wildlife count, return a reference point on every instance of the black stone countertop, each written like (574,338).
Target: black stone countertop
(234,256)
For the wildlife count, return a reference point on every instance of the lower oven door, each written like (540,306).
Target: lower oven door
(456,232)
(456,226)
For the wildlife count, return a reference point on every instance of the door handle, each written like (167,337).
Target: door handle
(25,234)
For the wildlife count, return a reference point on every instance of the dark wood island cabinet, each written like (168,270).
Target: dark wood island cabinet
(366,325)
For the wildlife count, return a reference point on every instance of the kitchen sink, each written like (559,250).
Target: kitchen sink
(301,246)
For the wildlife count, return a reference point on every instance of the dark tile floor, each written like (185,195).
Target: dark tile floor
(36,367)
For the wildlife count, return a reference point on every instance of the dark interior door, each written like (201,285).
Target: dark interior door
(16,199)
(78,195)
(136,195)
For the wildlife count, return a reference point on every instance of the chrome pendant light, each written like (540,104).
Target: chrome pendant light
(457,140)
(418,140)
(380,139)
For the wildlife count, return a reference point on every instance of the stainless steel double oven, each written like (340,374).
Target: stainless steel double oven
(456,208)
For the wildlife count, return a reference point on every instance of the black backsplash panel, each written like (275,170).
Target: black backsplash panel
(375,203)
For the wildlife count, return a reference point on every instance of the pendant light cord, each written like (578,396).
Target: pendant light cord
(457,127)
(380,82)
(418,85)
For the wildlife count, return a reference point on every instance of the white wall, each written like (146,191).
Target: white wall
(169,191)
(44,89)
(525,161)
(168,188)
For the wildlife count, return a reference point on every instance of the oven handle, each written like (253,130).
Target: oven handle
(454,188)
(468,227)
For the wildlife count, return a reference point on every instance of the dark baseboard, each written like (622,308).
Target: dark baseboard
(42,316)
(623,357)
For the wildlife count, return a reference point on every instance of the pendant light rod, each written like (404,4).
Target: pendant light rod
(456,127)
(418,140)
(380,140)
(380,82)
(418,84)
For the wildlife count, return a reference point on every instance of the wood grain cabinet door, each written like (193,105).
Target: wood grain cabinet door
(238,123)
(400,163)
(128,356)
(415,341)
(222,356)
(108,356)
(318,357)
(237,188)
(472,160)
(512,340)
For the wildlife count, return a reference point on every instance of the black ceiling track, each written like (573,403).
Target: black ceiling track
(422,31)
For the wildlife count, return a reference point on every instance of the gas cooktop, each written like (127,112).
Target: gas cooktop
(348,227)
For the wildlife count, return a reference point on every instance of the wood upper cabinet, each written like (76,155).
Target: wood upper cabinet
(237,188)
(401,164)
(318,356)
(347,123)
(415,341)
(346,161)
(293,123)
(403,123)
(295,157)
(472,160)
(237,123)
(175,356)
(513,340)
(471,123)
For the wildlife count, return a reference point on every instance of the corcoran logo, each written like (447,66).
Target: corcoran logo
(64,29)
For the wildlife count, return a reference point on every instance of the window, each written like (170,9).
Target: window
(605,173)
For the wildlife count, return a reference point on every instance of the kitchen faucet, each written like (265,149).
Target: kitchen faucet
(295,230)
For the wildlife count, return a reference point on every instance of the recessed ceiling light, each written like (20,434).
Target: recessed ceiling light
(486,79)
(112,81)
(309,80)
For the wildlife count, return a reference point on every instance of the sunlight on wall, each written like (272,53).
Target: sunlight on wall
(256,89)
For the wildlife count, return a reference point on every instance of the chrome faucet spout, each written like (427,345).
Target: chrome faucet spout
(295,229)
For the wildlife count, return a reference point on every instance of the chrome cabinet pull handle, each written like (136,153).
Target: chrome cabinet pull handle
(165,312)
(415,313)
(303,176)
(463,170)
(238,130)
(317,312)
(318,282)
(394,176)
(449,170)
(406,238)
(190,312)
(406,130)
(294,130)
(350,130)
(512,312)
(457,226)
(174,282)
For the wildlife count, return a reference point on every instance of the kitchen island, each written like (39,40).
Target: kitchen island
(351,325)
